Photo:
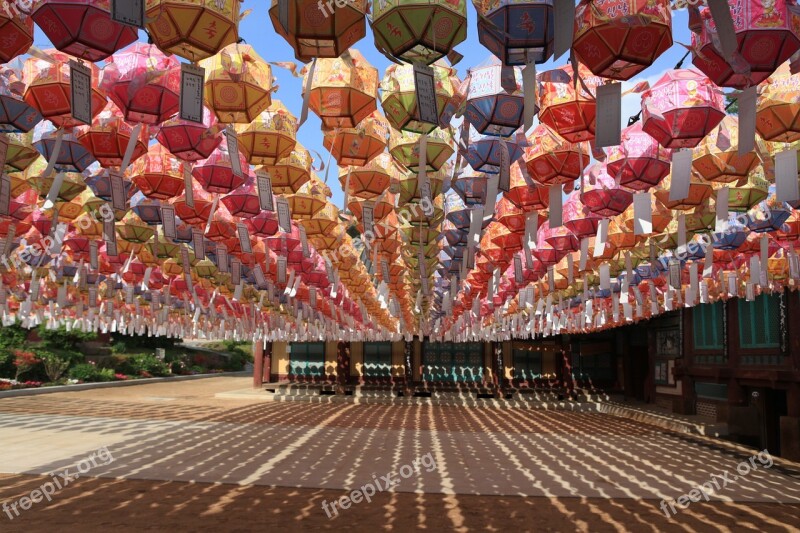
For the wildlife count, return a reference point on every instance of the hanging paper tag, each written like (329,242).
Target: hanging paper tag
(601,238)
(368,208)
(258,273)
(722,209)
(491,195)
(5,194)
(93,254)
(504,183)
(794,264)
(264,184)
(244,238)
(168,220)
(198,244)
(129,12)
(191,98)
(118,199)
(306,89)
(222,258)
(529,94)
(605,276)
(531,231)
(3,151)
(675,274)
(551,279)
(642,214)
(750,293)
(385,271)
(55,188)
(329,271)
(304,240)
(233,151)
(708,265)
(425,89)
(584,254)
(281,269)
(786,182)
(284,214)
(555,206)
(518,275)
(81,92)
(564,21)
(110,236)
(609,115)
(723,21)
(681,174)
(236,271)
(747,119)
(682,231)
(187,185)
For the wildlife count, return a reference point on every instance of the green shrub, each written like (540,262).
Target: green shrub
(83,372)
(63,339)
(54,365)
(119,347)
(137,364)
(196,369)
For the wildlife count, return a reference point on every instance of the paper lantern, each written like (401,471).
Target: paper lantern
(681,108)
(20,153)
(17,32)
(409,189)
(370,180)
(661,217)
(148,210)
(766,33)
(82,29)
(602,196)
(290,172)
(578,218)
(100,183)
(567,108)
(381,207)
(419,31)
(144,83)
(357,145)
(471,187)
(399,99)
(619,38)
(265,224)
(717,156)
(778,111)
(193,29)
(158,174)
(517,32)
(15,114)
(108,137)
(524,193)
(198,214)
(483,152)
(188,140)
(216,174)
(73,156)
(640,162)
(404,147)
(344,89)
(699,191)
(238,86)
(269,137)
(323,222)
(49,90)
(743,196)
(243,202)
(551,160)
(309,200)
(491,108)
(319,29)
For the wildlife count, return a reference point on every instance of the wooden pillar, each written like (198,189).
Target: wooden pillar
(342,364)
(266,374)
(258,364)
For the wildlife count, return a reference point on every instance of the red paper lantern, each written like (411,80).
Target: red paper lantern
(188,140)
(640,162)
(108,136)
(766,33)
(158,174)
(577,217)
(681,108)
(567,107)
(243,202)
(619,38)
(216,174)
(83,29)
(144,83)
(602,196)
(551,160)
(17,34)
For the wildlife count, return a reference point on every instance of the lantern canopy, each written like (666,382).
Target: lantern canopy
(766,34)
(551,160)
(144,83)
(17,32)
(399,100)
(82,29)
(344,89)
(238,84)
(778,108)
(188,140)
(291,172)
(269,137)
(602,195)
(619,38)
(640,162)
(717,157)
(193,29)
(419,31)
(517,32)
(317,29)
(359,144)
(404,147)
(494,104)
(568,107)
(681,108)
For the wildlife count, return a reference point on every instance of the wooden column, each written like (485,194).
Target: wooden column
(266,374)
(342,364)
(258,364)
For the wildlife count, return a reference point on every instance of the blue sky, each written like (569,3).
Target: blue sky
(257,30)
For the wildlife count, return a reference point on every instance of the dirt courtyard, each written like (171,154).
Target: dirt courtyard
(176,458)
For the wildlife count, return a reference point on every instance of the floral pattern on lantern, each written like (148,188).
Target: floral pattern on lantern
(269,137)
(517,32)
(344,89)
(358,145)
(399,99)
(566,107)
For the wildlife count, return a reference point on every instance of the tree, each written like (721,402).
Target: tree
(24,361)
(54,365)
